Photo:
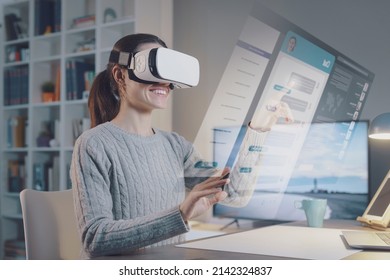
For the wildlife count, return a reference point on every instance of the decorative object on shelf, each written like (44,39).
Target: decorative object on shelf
(380,127)
(48,91)
(109,15)
(85,45)
(14,27)
(45,136)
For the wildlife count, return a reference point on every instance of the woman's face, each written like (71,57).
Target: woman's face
(146,97)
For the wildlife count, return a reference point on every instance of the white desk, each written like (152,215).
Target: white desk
(192,252)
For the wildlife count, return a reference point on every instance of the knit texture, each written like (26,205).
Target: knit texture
(128,188)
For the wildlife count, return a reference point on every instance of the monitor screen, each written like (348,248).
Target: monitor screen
(325,152)
(333,164)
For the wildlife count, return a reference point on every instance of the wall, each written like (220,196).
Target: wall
(161,25)
(208,29)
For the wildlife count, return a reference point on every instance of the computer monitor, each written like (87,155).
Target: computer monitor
(326,92)
(333,164)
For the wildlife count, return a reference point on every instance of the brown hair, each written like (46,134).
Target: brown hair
(104,101)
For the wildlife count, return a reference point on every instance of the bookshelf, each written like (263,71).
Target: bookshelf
(65,48)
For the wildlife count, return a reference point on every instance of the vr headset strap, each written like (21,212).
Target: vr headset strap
(126,59)
(122,58)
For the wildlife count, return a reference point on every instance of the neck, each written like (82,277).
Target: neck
(135,122)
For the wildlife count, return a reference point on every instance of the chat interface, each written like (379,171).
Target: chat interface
(274,60)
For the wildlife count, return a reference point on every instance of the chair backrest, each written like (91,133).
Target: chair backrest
(50,227)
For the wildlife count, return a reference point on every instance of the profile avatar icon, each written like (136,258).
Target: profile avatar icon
(292,42)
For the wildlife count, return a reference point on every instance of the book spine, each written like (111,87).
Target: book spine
(39,176)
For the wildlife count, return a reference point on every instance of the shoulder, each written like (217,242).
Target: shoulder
(172,136)
(93,138)
(178,142)
(175,138)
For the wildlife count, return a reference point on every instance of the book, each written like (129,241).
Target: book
(57,89)
(41,176)
(14,249)
(57,15)
(84,21)
(75,78)
(16,132)
(79,126)
(16,86)
(54,175)
(69,84)
(16,175)
(6,87)
(45,13)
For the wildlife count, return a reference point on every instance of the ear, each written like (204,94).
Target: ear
(118,74)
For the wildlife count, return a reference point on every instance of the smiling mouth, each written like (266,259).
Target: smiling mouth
(160,92)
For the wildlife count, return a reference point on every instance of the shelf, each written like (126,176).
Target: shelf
(46,149)
(13,216)
(68,149)
(16,42)
(12,195)
(46,59)
(17,63)
(49,36)
(15,107)
(80,54)
(76,102)
(76,30)
(16,150)
(125,20)
(46,104)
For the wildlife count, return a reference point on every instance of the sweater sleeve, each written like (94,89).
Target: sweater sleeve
(243,175)
(100,233)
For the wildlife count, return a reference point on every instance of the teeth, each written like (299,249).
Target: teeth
(160,92)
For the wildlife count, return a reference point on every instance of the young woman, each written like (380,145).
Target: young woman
(129,178)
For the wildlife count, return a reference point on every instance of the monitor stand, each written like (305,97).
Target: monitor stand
(254,223)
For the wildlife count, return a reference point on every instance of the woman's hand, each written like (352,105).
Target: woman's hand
(203,196)
(270,113)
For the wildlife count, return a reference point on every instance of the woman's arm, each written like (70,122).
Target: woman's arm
(240,186)
(101,234)
(244,173)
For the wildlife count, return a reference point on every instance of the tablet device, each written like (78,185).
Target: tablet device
(377,213)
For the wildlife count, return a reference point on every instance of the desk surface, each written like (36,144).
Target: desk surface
(178,253)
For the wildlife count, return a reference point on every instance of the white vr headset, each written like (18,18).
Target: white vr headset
(159,65)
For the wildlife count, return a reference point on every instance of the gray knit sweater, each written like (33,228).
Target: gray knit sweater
(127,188)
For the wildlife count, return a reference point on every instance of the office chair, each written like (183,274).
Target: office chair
(50,228)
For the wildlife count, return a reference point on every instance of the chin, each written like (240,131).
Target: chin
(161,106)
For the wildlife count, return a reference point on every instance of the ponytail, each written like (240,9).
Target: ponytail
(103,102)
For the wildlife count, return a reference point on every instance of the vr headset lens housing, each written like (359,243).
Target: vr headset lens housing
(160,65)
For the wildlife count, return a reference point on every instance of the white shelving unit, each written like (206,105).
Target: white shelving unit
(31,59)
